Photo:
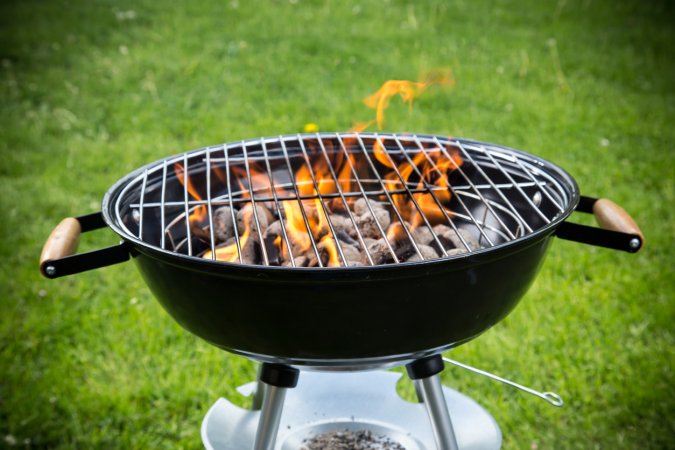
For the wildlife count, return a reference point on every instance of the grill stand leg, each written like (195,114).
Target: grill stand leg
(424,373)
(259,393)
(274,380)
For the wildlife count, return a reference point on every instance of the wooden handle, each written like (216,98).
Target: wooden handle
(613,217)
(62,242)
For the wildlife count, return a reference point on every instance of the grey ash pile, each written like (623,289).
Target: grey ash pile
(350,440)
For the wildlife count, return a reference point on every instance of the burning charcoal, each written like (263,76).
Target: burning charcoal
(404,250)
(312,261)
(347,239)
(250,252)
(360,207)
(328,252)
(273,253)
(300,261)
(451,238)
(455,251)
(423,235)
(273,229)
(470,239)
(368,241)
(229,252)
(310,210)
(300,244)
(382,216)
(336,205)
(343,224)
(400,241)
(229,241)
(352,255)
(322,249)
(426,251)
(245,217)
(269,206)
(379,252)
(368,225)
(223,227)
(441,229)
(273,235)
(397,235)
(202,233)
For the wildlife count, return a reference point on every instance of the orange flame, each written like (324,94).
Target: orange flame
(436,177)
(381,154)
(296,225)
(335,171)
(379,101)
(345,174)
(200,212)
(230,253)
(433,167)
(434,170)
(333,258)
(407,90)
(316,216)
(345,171)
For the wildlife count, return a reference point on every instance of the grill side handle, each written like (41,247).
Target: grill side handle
(617,229)
(58,256)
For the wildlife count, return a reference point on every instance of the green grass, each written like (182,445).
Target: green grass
(93,90)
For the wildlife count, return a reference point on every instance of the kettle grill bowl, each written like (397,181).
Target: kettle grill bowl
(351,316)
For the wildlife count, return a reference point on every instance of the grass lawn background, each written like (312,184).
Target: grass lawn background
(93,90)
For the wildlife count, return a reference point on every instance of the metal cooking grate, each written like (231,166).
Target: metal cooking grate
(497,195)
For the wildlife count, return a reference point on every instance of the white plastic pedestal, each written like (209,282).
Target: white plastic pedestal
(331,401)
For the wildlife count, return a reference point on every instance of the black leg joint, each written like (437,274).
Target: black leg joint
(279,375)
(425,367)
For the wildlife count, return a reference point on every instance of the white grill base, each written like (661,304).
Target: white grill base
(328,401)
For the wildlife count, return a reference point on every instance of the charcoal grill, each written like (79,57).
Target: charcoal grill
(399,306)
(490,213)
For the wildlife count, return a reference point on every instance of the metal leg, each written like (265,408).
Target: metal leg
(424,374)
(432,395)
(270,415)
(259,393)
(418,391)
(276,379)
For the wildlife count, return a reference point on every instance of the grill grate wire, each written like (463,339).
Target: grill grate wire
(503,202)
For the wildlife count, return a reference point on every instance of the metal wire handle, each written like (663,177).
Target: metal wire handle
(551,397)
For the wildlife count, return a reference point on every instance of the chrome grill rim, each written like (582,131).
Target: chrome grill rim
(110,205)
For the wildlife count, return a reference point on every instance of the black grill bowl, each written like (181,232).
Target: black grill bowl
(348,316)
